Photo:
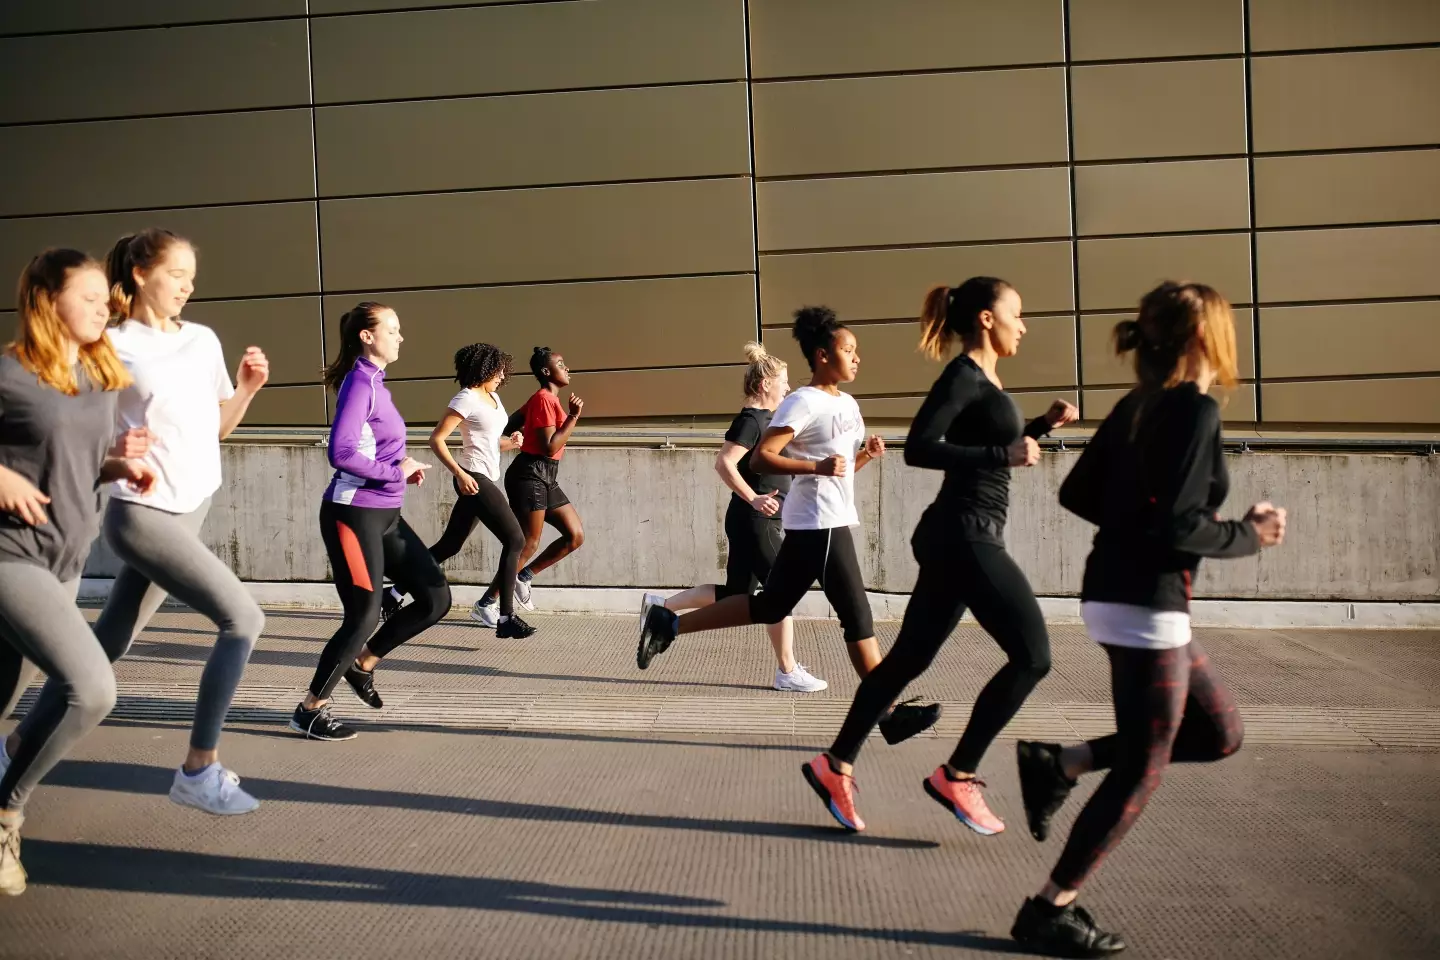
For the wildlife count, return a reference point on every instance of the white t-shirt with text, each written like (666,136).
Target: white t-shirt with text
(480,431)
(180,382)
(825,425)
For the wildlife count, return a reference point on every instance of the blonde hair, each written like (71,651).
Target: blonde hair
(1176,319)
(763,366)
(41,341)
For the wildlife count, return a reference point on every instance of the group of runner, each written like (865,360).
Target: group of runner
(106,384)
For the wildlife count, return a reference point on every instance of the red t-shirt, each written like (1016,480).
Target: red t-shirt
(541,410)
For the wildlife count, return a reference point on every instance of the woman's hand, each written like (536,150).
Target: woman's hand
(875,446)
(835,466)
(766,504)
(1024,452)
(132,444)
(21,498)
(138,476)
(1269,523)
(1062,412)
(254,370)
(414,470)
(467,485)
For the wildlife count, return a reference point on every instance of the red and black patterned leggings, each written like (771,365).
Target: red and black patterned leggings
(1170,707)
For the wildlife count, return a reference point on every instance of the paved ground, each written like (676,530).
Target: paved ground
(545,799)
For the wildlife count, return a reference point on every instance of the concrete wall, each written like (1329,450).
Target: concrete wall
(1362,527)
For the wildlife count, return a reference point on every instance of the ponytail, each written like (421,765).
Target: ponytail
(953,313)
(1176,320)
(363,316)
(138,251)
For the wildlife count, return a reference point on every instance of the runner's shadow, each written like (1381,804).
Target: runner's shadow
(154,650)
(89,866)
(135,778)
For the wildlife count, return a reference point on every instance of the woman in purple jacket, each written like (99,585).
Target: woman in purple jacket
(360,522)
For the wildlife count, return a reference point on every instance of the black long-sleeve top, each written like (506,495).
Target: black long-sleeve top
(1151,479)
(964,427)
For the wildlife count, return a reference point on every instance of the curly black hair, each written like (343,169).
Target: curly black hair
(814,330)
(479,362)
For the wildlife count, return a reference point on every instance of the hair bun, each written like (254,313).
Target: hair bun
(815,318)
(1128,336)
(755,352)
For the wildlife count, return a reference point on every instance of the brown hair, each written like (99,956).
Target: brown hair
(138,251)
(41,340)
(361,317)
(1174,320)
(763,366)
(953,313)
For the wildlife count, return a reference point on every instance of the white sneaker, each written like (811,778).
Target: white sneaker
(799,680)
(214,790)
(485,614)
(12,875)
(522,595)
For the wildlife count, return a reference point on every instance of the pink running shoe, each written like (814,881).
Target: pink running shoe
(836,789)
(963,798)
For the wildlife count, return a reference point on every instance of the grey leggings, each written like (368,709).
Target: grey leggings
(40,623)
(163,555)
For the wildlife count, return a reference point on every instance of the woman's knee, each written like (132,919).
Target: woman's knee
(94,695)
(432,602)
(576,538)
(1231,738)
(248,622)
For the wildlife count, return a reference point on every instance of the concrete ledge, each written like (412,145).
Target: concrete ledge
(625,601)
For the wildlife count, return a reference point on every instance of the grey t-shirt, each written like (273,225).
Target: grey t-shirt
(58,443)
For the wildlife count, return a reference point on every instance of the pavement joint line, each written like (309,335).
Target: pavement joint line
(1359,727)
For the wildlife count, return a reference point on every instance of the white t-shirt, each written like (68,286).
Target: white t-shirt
(1128,625)
(480,431)
(824,425)
(180,382)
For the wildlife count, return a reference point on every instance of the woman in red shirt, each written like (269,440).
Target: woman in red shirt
(532,482)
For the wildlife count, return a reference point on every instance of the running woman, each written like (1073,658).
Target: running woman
(181,393)
(365,536)
(532,481)
(970,428)
(752,520)
(59,381)
(1152,479)
(818,437)
(480,369)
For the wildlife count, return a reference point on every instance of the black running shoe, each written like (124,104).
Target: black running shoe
(363,683)
(319,725)
(907,719)
(657,632)
(389,605)
(1063,931)
(514,629)
(1043,784)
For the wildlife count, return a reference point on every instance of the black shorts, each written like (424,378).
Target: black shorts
(754,543)
(532,484)
(809,555)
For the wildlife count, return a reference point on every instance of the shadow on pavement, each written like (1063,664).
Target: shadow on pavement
(136,870)
(134,778)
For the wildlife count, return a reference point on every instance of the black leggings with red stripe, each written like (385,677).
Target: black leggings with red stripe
(1170,707)
(365,544)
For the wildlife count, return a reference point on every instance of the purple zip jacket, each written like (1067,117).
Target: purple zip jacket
(367,442)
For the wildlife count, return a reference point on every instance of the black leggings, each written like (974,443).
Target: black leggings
(754,542)
(365,543)
(488,506)
(809,555)
(1170,707)
(955,574)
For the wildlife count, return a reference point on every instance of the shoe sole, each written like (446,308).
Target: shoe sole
(801,689)
(959,814)
(515,636)
(181,801)
(310,736)
(824,794)
(1077,953)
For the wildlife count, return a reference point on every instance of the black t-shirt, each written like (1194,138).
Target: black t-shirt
(746,429)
